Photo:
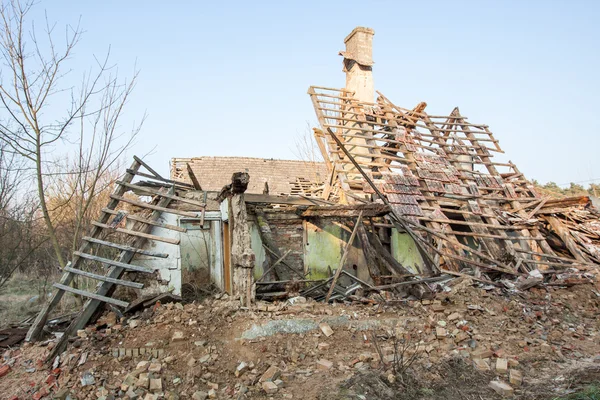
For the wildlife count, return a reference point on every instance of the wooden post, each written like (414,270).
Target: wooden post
(242,256)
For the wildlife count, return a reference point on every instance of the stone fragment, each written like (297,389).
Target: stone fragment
(326,329)
(127,382)
(503,389)
(178,336)
(515,377)
(142,366)
(199,395)
(156,385)
(270,374)
(270,387)
(143,381)
(481,365)
(134,323)
(323,346)
(501,366)
(279,383)
(241,368)
(482,353)
(212,394)
(204,359)
(324,364)
(132,394)
(155,367)
(440,332)
(453,316)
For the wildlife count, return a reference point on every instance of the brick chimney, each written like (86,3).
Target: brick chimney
(358,63)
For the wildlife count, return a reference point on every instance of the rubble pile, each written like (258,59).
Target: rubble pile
(306,349)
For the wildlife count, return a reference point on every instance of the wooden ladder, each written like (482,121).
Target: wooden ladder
(137,236)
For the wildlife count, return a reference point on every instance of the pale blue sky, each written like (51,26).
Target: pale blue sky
(230,78)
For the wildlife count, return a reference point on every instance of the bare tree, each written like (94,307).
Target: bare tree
(34,86)
(19,233)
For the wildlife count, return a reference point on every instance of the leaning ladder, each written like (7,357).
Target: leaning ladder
(137,237)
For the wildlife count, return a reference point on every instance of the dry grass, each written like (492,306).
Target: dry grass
(22,297)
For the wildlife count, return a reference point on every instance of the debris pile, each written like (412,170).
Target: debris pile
(304,349)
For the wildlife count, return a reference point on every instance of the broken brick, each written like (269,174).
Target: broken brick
(326,329)
(4,370)
(324,364)
(503,389)
(270,374)
(515,377)
(501,366)
(270,387)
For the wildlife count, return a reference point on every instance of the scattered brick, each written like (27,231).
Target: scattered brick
(503,389)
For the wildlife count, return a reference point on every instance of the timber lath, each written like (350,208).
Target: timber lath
(439,176)
(133,239)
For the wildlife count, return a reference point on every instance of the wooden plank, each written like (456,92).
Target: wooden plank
(368,210)
(275,264)
(536,209)
(40,321)
(125,247)
(170,182)
(136,233)
(114,263)
(344,257)
(155,192)
(273,199)
(156,174)
(192,175)
(148,221)
(94,296)
(105,278)
(155,208)
(105,288)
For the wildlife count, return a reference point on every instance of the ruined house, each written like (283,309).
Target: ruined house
(403,199)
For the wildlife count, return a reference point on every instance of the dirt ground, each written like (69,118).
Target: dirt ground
(452,348)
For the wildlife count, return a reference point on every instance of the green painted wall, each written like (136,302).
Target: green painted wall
(258,249)
(405,251)
(324,245)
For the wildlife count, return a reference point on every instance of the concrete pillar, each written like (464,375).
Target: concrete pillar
(358,63)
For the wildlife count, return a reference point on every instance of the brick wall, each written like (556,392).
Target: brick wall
(288,234)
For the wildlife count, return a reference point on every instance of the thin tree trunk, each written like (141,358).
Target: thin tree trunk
(44,207)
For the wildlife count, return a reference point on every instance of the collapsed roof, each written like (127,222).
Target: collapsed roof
(439,176)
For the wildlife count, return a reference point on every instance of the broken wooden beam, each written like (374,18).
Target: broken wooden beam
(137,218)
(136,233)
(104,278)
(193,178)
(124,247)
(149,206)
(346,211)
(94,296)
(114,263)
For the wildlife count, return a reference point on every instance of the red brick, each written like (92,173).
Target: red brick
(4,370)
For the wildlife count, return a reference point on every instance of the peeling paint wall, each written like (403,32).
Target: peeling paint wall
(258,249)
(170,268)
(325,240)
(405,251)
